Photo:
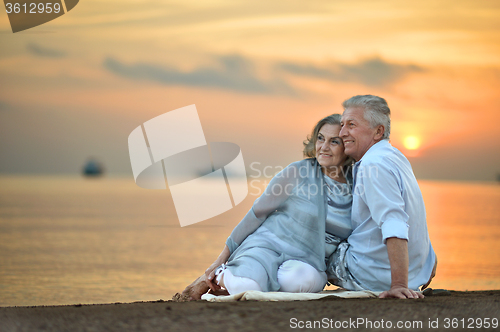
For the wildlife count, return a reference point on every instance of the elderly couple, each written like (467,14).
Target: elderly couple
(360,227)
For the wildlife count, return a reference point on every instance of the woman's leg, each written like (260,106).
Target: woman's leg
(299,277)
(252,268)
(236,285)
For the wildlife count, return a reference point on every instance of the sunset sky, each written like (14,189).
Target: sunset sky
(261,74)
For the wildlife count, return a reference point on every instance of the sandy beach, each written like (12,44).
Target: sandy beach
(456,311)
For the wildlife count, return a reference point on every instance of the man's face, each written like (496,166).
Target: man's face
(357,134)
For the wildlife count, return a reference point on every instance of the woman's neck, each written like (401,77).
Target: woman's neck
(335,173)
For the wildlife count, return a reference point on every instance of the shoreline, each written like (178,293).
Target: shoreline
(456,311)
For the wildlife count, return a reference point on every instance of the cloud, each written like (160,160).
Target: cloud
(371,72)
(3,106)
(233,73)
(44,52)
(236,73)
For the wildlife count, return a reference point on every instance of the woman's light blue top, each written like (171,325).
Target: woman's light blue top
(295,206)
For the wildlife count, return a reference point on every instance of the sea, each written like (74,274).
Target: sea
(75,240)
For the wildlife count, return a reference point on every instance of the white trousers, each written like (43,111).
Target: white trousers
(293,276)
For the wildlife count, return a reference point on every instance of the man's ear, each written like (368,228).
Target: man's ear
(379,133)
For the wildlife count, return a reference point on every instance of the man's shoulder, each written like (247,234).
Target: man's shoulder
(385,156)
(382,159)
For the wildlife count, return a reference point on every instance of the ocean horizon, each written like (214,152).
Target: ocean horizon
(69,239)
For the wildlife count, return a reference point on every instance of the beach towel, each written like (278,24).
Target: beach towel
(283,296)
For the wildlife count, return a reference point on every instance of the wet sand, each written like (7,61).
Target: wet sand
(353,314)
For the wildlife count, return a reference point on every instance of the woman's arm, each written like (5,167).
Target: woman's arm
(210,272)
(280,188)
(277,192)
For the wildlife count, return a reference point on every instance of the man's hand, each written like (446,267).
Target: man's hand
(397,249)
(401,293)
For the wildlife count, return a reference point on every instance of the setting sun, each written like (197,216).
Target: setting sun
(411,142)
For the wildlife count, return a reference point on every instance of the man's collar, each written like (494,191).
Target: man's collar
(374,148)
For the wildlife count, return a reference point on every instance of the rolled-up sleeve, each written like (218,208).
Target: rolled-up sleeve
(383,195)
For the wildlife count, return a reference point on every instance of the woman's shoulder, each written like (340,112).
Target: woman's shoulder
(308,162)
(299,169)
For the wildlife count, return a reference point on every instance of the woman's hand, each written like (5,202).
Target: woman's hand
(210,272)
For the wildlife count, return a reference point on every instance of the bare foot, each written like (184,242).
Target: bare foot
(195,290)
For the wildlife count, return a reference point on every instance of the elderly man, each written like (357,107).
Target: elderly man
(389,249)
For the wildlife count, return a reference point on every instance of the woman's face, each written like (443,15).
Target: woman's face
(330,148)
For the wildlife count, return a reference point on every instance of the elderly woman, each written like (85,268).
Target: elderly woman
(283,241)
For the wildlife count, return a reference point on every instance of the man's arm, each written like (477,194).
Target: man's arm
(398,258)
(384,199)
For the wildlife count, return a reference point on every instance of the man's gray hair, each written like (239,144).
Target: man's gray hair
(377,111)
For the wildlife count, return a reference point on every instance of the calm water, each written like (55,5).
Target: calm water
(72,240)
